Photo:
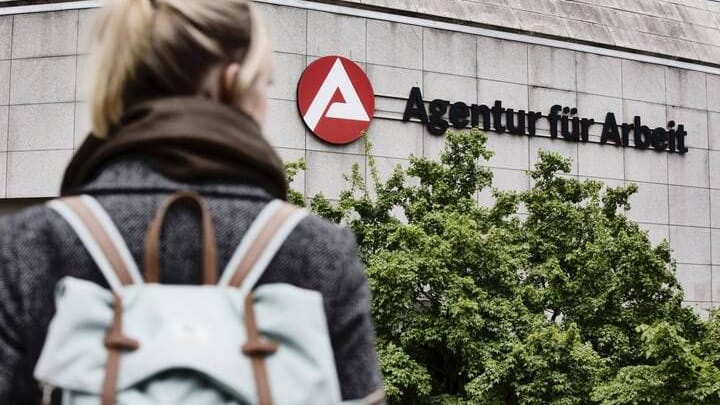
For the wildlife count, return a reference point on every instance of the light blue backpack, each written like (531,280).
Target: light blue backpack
(142,343)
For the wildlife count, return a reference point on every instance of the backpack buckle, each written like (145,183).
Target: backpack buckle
(121,343)
(259,347)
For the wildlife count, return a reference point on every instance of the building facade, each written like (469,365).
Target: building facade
(608,61)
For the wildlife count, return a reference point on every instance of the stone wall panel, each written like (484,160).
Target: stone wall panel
(44,118)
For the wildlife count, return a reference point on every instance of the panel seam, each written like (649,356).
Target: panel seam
(7,137)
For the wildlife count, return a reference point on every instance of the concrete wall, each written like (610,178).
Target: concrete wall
(41,113)
(680,28)
(43,117)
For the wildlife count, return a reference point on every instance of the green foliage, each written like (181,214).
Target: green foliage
(291,170)
(567,303)
(676,371)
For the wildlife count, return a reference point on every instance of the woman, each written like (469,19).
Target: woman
(178,98)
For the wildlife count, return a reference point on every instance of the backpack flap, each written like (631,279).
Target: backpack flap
(74,355)
(190,329)
(303,370)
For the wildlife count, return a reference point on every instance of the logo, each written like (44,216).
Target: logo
(336,100)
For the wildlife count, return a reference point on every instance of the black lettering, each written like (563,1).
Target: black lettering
(659,139)
(680,135)
(459,113)
(497,112)
(415,107)
(671,137)
(533,118)
(626,128)
(515,129)
(439,115)
(565,121)
(565,127)
(610,131)
(437,125)
(477,111)
(585,125)
(554,118)
(643,135)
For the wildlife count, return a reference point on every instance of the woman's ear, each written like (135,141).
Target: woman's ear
(251,100)
(228,88)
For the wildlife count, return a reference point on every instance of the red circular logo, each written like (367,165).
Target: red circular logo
(336,99)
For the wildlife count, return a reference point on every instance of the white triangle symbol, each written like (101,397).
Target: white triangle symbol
(351,109)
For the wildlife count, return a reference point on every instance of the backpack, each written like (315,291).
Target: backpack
(225,342)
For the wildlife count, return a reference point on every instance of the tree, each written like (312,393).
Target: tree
(568,303)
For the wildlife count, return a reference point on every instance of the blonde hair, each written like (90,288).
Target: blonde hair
(146,49)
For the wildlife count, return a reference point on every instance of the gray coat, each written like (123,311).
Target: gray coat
(37,248)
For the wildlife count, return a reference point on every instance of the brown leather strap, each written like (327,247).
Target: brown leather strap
(101,237)
(152,243)
(260,243)
(257,348)
(116,343)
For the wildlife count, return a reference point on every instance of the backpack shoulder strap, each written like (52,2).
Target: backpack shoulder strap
(101,238)
(260,244)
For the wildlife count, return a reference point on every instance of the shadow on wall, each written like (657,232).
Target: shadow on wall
(8,3)
(9,207)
